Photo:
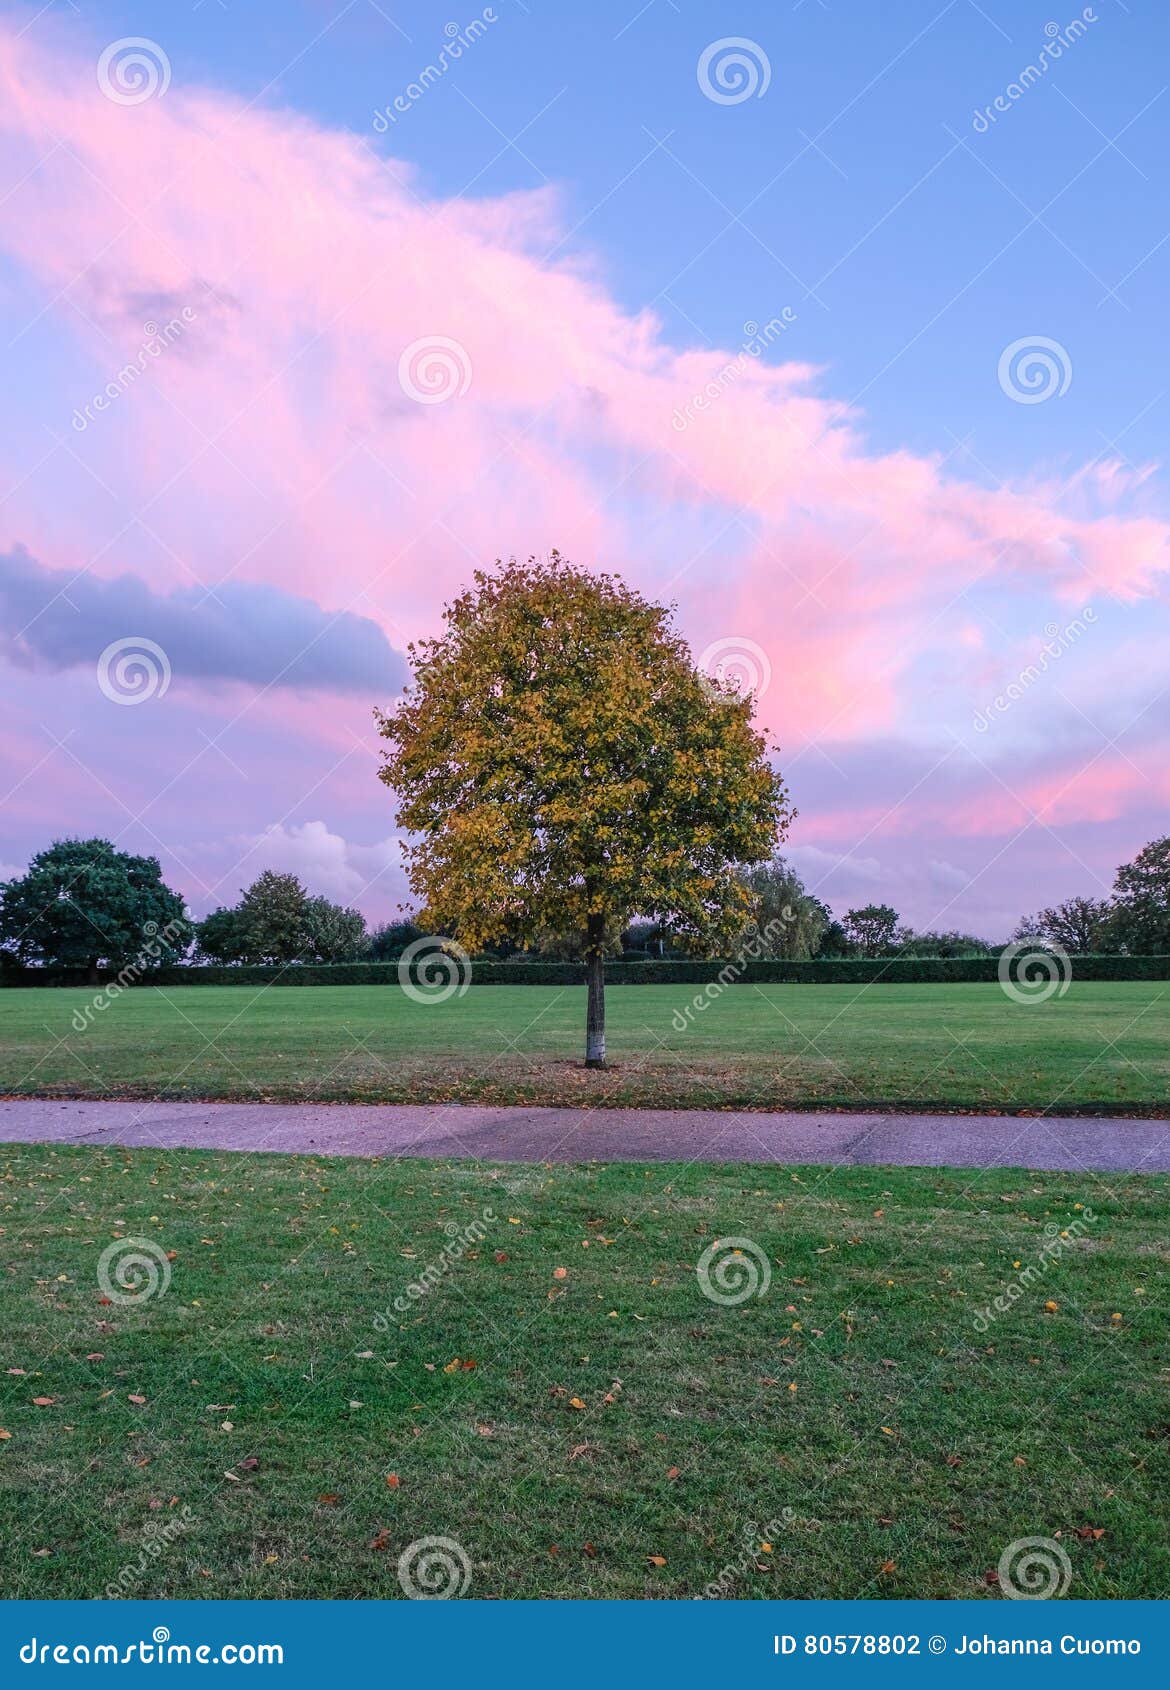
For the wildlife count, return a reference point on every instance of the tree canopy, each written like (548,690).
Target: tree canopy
(562,767)
(84,904)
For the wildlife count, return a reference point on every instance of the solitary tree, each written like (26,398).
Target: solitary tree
(562,766)
(84,904)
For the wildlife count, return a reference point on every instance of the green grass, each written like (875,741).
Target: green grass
(898,1448)
(1104,1045)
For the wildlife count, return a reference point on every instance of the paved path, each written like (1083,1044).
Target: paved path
(607,1135)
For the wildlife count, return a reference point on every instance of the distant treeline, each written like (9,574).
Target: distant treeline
(86,911)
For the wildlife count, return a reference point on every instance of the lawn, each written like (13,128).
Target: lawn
(958,1046)
(565,1402)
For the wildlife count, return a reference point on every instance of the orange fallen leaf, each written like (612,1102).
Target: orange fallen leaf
(44,1402)
(888,1567)
(328,1498)
(380,1539)
(673,1472)
(656,1560)
(575,1402)
(4,1434)
(560,1273)
(138,1400)
(393,1480)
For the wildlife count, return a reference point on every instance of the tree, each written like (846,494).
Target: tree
(387,943)
(873,929)
(220,938)
(834,941)
(272,917)
(943,945)
(333,933)
(84,904)
(789,923)
(1079,924)
(1140,918)
(562,766)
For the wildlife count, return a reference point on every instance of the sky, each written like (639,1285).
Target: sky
(839,326)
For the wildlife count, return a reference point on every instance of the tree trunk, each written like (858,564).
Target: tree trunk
(595,979)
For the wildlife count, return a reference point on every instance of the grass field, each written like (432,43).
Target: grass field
(563,1429)
(968,1046)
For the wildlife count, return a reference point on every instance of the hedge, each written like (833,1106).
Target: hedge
(842,971)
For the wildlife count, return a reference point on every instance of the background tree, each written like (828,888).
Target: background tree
(332,932)
(563,766)
(273,918)
(387,943)
(1077,925)
(1139,921)
(219,937)
(83,904)
(952,944)
(789,922)
(873,929)
(834,940)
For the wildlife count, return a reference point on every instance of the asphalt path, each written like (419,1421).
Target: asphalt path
(464,1131)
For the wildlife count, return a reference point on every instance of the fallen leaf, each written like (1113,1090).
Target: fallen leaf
(380,1539)
(95,1355)
(888,1567)
(393,1480)
(137,1399)
(575,1402)
(589,1550)
(47,1402)
(656,1560)
(249,1464)
(560,1273)
(1090,1532)
(673,1472)
(328,1498)
(234,1477)
(4,1434)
